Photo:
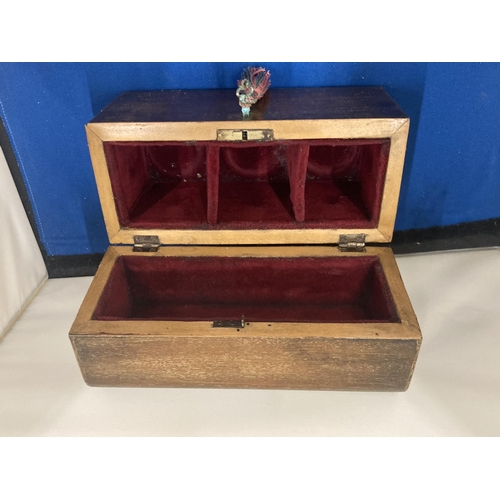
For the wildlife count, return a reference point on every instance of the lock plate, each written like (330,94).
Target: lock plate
(244,135)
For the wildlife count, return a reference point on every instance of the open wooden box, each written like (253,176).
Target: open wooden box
(243,254)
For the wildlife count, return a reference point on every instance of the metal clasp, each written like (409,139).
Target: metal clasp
(254,135)
(229,323)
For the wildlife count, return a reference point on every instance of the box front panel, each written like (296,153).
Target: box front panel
(246,362)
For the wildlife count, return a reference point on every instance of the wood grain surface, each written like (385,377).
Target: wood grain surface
(278,104)
(246,362)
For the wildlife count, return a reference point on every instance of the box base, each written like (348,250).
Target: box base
(375,353)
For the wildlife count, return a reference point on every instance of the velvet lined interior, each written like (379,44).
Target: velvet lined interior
(244,185)
(295,289)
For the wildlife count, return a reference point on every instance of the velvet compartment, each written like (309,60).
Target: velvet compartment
(248,185)
(263,289)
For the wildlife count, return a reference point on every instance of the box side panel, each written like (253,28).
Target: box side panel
(243,362)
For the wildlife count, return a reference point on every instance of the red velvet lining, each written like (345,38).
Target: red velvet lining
(273,185)
(298,289)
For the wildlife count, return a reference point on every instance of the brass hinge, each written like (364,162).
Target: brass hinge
(352,242)
(146,243)
(261,135)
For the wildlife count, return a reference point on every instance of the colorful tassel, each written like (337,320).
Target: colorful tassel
(252,86)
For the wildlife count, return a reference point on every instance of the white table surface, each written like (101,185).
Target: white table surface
(455,390)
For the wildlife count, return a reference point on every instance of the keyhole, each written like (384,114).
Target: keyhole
(244,135)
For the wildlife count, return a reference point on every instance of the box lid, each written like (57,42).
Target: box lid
(307,166)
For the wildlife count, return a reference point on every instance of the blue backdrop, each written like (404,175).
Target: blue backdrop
(452,170)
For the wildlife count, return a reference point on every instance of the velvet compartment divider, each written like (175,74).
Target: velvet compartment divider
(297,156)
(213,166)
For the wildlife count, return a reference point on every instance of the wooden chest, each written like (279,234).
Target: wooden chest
(247,251)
